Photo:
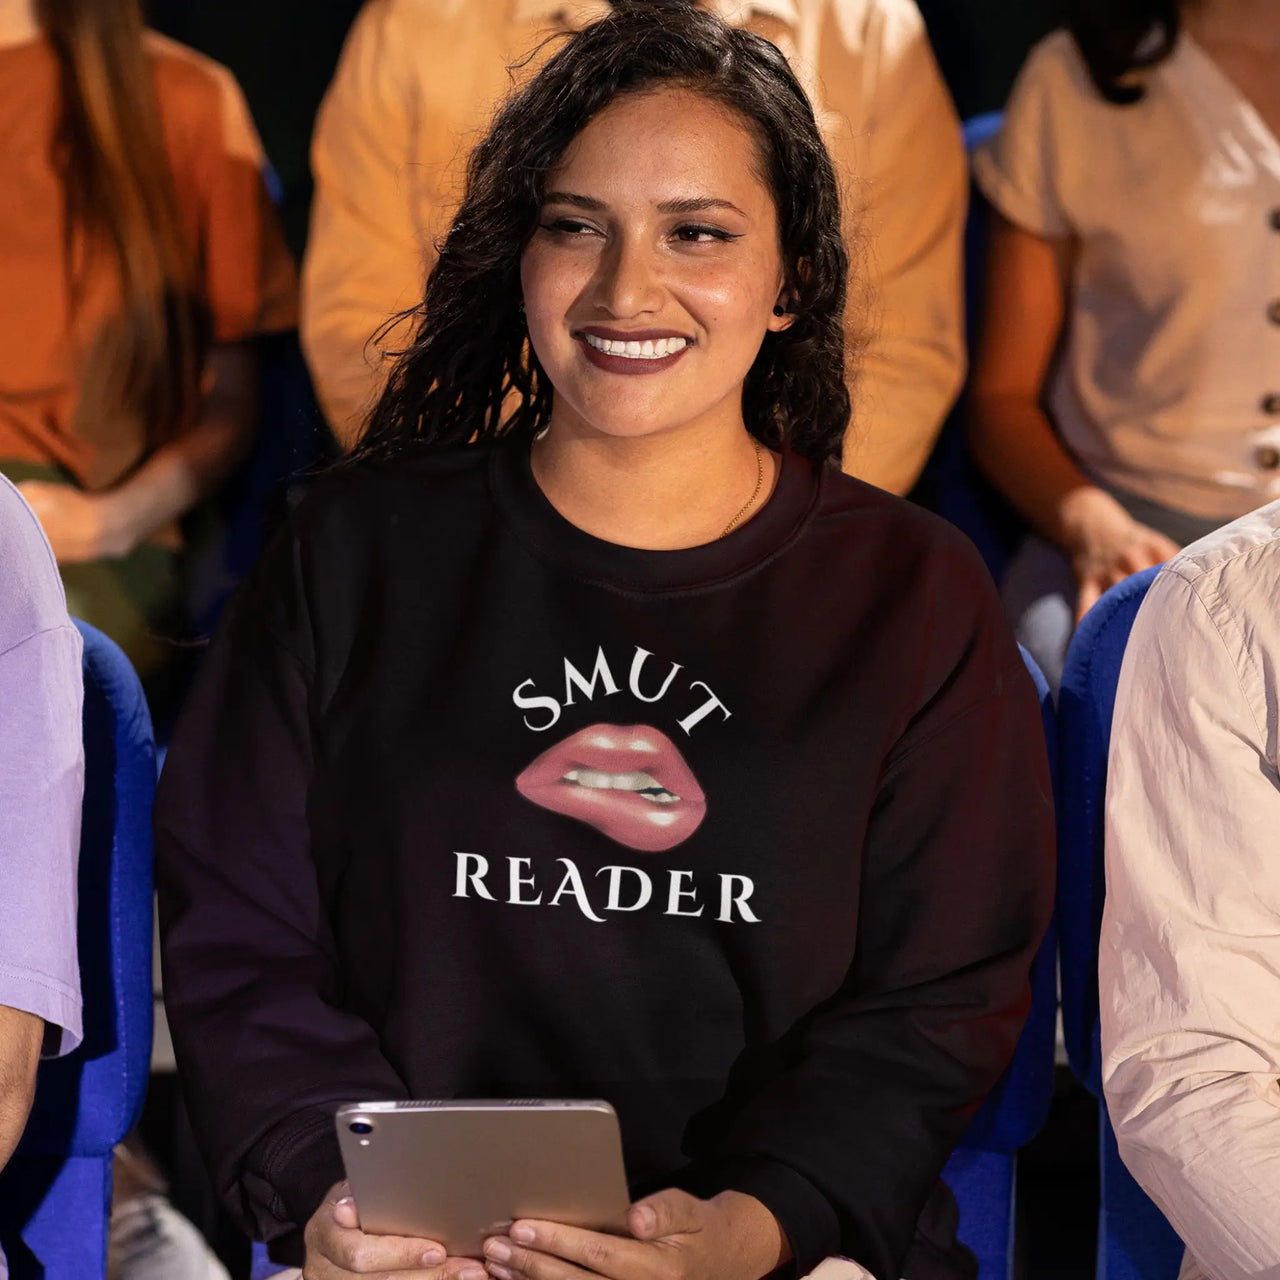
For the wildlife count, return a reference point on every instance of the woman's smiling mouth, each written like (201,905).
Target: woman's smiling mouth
(649,349)
(632,353)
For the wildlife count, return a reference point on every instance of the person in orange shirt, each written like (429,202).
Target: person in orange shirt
(138,255)
(419,79)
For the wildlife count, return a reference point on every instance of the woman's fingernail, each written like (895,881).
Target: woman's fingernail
(503,1273)
(499,1249)
(473,1273)
(345,1200)
(433,1257)
(522,1234)
(647,1218)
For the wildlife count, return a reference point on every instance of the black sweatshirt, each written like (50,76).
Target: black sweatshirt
(753,840)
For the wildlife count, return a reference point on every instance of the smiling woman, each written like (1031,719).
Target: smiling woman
(669,274)
(586,734)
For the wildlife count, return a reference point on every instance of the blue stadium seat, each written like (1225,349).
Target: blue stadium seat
(55,1194)
(1135,1242)
(982,1172)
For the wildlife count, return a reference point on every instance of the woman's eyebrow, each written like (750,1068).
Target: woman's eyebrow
(692,204)
(577,201)
(697,204)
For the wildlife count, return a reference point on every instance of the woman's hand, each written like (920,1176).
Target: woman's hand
(675,1237)
(80,526)
(1106,544)
(336,1247)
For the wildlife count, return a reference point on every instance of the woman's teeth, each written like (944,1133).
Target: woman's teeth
(649,349)
(641,783)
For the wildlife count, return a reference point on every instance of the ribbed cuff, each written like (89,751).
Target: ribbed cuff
(803,1212)
(302,1164)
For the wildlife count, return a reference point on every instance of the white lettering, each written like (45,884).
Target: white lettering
(550,705)
(703,711)
(516,882)
(637,665)
(477,883)
(644,888)
(601,673)
(729,899)
(681,899)
(676,891)
(573,886)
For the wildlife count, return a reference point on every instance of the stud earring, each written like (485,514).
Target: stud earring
(779,309)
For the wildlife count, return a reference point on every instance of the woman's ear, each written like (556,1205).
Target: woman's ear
(782,317)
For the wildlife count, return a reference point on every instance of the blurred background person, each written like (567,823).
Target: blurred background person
(1126,395)
(138,255)
(41,792)
(418,80)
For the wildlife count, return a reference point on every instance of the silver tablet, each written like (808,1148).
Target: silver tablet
(458,1171)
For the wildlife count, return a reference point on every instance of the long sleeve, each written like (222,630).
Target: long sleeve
(906,187)
(860,1110)
(1190,952)
(365,256)
(252,987)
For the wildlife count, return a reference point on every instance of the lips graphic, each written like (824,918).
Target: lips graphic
(628,781)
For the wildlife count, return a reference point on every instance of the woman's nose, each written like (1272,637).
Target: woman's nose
(627,281)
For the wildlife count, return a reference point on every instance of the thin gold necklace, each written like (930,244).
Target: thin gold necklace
(755,493)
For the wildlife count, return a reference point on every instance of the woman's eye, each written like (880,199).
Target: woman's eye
(567,227)
(702,235)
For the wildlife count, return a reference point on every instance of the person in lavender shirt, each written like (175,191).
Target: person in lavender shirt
(41,789)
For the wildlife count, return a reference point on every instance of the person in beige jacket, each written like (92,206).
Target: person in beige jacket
(415,87)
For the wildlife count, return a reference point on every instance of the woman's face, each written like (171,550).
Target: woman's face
(651,279)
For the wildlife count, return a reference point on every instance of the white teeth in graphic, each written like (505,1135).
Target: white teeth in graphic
(641,783)
(649,349)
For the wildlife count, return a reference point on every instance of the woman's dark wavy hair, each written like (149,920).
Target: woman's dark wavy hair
(1118,37)
(470,374)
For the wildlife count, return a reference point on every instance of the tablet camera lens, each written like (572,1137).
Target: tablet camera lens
(361,1127)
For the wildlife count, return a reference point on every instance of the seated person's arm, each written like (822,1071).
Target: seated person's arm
(189,468)
(1190,953)
(41,792)
(844,1133)
(908,246)
(21,1035)
(364,259)
(247,947)
(1010,435)
(179,475)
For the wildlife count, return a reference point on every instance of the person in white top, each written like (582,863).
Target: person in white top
(1126,393)
(415,87)
(1189,975)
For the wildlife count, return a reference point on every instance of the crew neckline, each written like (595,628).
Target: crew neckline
(561,544)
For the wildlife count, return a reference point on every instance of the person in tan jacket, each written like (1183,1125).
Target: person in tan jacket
(416,85)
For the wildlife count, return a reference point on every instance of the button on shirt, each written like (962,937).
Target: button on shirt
(1169,379)
(1189,971)
(416,87)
